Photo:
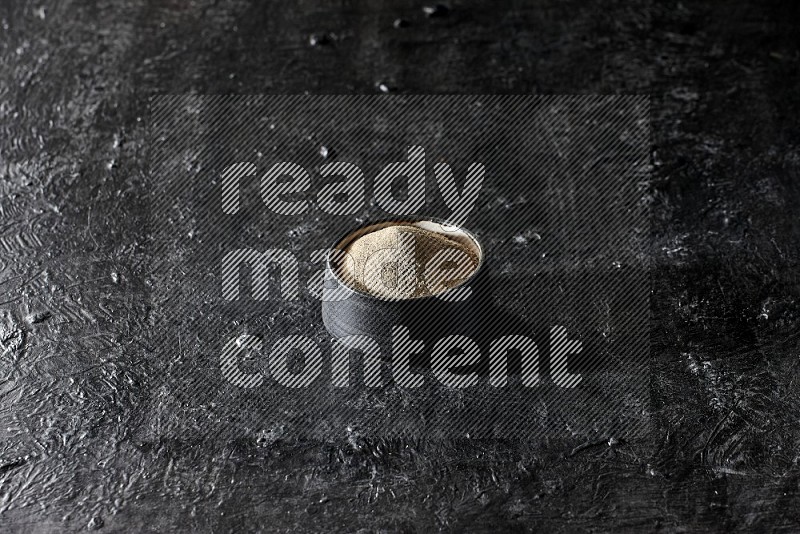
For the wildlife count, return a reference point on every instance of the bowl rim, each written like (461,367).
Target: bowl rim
(378,224)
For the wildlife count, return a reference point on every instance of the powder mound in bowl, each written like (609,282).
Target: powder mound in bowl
(404,261)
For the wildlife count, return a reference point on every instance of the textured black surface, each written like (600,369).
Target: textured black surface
(562,215)
(76,381)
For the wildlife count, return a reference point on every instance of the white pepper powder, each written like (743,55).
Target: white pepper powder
(405,261)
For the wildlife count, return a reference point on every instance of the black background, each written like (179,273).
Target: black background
(75,377)
(562,217)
